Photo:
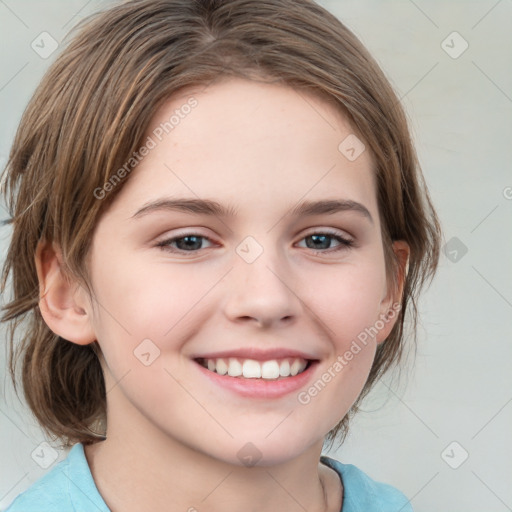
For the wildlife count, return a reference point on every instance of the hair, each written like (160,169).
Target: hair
(90,113)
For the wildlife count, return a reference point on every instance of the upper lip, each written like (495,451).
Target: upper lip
(257,354)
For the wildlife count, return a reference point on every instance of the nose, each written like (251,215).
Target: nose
(261,293)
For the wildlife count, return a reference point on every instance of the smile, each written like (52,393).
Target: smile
(258,373)
(273,369)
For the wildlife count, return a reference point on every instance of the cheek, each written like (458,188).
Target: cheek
(148,309)
(347,300)
(147,300)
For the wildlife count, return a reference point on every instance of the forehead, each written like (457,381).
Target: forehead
(252,143)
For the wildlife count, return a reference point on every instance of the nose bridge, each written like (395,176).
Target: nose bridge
(259,286)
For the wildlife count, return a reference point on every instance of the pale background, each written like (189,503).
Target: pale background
(460,390)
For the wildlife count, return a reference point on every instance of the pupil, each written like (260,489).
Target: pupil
(316,237)
(192,245)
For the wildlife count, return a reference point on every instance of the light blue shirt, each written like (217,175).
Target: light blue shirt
(69,487)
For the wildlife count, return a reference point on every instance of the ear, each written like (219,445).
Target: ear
(390,305)
(62,301)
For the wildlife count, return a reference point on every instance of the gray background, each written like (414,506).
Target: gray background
(459,388)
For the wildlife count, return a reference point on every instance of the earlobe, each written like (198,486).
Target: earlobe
(61,301)
(390,306)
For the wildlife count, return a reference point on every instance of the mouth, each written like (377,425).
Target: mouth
(256,373)
(269,370)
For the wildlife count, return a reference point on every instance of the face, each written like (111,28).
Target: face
(257,280)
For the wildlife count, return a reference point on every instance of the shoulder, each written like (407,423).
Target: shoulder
(363,494)
(68,486)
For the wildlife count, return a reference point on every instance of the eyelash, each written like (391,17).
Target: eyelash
(344,242)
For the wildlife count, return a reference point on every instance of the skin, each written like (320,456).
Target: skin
(173,437)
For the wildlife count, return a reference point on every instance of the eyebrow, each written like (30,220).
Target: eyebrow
(213,208)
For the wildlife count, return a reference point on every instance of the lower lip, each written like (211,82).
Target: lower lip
(260,388)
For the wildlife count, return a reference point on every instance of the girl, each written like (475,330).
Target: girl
(219,224)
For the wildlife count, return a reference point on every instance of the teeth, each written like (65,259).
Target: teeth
(284,368)
(295,368)
(222,367)
(251,369)
(270,370)
(234,368)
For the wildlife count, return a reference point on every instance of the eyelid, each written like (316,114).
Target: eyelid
(344,242)
(186,232)
(329,231)
(311,231)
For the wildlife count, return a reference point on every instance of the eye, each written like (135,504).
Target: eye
(193,242)
(190,242)
(321,241)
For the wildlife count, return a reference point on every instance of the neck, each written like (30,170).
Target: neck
(138,467)
(141,467)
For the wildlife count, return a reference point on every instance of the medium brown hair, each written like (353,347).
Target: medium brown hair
(90,113)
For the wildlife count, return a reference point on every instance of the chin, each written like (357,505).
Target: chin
(262,451)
